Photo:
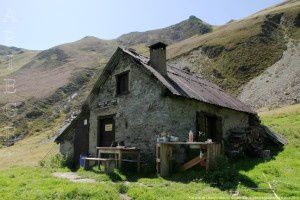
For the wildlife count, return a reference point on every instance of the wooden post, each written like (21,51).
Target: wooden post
(120,160)
(109,166)
(165,153)
(208,156)
(85,164)
(158,158)
(138,162)
(99,156)
(213,151)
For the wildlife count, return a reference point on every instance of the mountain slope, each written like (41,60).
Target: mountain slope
(51,84)
(55,67)
(55,81)
(171,34)
(60,64)
(278,85)
(235,53)
(19,57)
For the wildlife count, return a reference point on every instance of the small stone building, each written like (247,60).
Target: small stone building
(135,99)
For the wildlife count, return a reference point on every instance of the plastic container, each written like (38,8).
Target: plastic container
(191,136)
(82,159)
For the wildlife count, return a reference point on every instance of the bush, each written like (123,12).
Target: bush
(222,173)
(122,188)
(56,161)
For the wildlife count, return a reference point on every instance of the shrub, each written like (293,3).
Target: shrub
(222,173)
(122,188)
(56,161)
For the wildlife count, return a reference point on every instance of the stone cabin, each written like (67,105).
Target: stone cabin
(135,99)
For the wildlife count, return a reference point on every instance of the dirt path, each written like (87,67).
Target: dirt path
(73,177)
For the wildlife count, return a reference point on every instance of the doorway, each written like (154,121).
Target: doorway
(210,126)
(106,131)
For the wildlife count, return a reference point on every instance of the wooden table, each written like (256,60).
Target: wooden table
(118,153)
(164,155)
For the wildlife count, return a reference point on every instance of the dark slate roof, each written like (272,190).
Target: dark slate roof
(191,86)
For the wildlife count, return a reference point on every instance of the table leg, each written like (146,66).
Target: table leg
(138,162)
(116,157)
(99,156)
(86,164)
(120,160)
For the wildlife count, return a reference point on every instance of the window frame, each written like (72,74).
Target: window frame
(119,92)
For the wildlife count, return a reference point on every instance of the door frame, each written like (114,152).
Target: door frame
(218,118)
(99,126)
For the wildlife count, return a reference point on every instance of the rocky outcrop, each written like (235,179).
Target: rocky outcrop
(278,85)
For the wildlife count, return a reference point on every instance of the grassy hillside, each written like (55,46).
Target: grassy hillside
(19,57)
(248,178)
(240,50)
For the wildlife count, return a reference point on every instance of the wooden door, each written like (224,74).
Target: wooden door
(81,140)
(106,131)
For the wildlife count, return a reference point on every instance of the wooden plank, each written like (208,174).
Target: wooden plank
(132,161)
(157,148)
(213,151)
(100,159)
(191,163)
(208,157)
(117,148)
(187,143)
(165,159)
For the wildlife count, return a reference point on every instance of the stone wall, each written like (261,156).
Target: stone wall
(146,112)
(66,147)
(139,115)
(183,116)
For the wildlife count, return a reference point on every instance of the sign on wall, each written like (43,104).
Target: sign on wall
(108,127)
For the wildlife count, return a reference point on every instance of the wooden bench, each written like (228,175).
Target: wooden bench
(109,163)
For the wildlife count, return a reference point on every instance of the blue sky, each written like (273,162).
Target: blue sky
(41,24)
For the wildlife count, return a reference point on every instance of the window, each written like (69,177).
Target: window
(122,83)
(210,127)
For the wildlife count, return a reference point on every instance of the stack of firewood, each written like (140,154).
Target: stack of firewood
(246,141)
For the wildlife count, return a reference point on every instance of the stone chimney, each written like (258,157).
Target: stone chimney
(158,57)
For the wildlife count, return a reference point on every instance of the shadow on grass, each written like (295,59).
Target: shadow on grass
(226,175)
(114,176)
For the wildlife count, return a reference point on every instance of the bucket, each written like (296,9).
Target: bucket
(82,159)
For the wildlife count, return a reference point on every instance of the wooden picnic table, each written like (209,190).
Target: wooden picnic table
(165,155)
(118,153)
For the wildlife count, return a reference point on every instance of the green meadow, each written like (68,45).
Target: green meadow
(248,178)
